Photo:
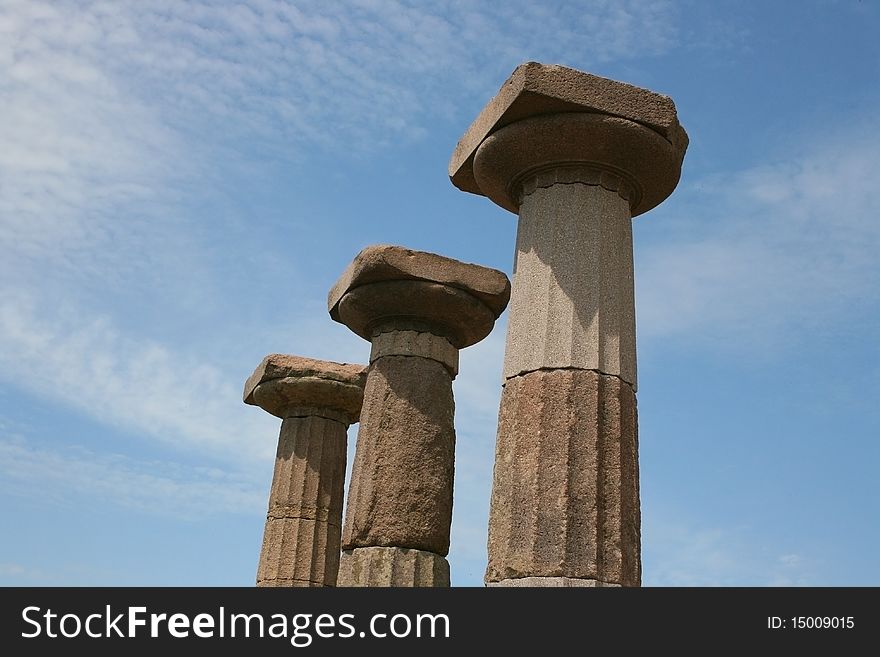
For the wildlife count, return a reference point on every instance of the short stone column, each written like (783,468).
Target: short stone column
(418,309)
(317,401)
(576,156)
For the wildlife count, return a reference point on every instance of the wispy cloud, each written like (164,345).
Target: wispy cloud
(116,118)
(792,242)
(682,553)
(78,148)
(12,573)
(64,475)
(110,106)
(87,364)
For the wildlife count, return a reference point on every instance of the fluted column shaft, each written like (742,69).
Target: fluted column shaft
(316,401)
(417,309)
(572,300)
(576,156)
(400,497)
(565,500)
(303,525)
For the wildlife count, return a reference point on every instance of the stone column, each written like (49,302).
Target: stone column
(576,156)
(418,309)
(317,401)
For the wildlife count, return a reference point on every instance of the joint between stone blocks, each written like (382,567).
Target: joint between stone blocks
(505,379)
(551,582)
(302,412)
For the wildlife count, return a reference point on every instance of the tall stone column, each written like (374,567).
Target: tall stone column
(576,156)
(418,309)
(317,401)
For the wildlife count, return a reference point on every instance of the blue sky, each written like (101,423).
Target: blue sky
(181,182)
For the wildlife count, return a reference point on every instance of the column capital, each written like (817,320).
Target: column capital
(286,386)
(388,288)
(553,117)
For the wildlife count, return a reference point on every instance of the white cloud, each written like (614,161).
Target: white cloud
(76,147)
(11,570)
(16,574)
(789,560)
(116,115)
(786,244)
(683,553)
(111,111)
(108,107)
(63,475)
(792,570)
(138,385)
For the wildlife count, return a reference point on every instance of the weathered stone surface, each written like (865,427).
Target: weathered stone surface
(551,582)
(415,305)
(381,262)
(565,498)
(417,309)
(302,537)
(540,89)
(392,566)
(309,476)
(283,384)
(572,304)
(281,366)
(623,155)
(414,343)
(577,157)
(298,552)
(401,484)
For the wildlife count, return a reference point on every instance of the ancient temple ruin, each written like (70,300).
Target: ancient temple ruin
(576,157)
